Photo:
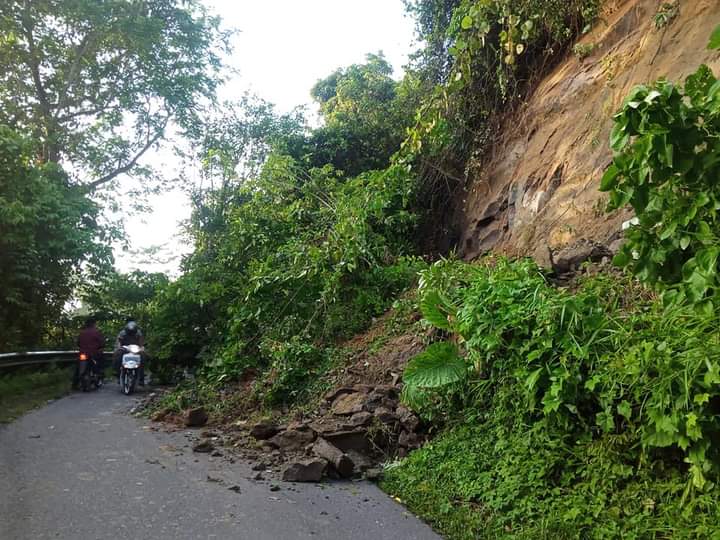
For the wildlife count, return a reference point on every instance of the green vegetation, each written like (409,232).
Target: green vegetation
(86,89)
(24,390)
(665,140)
(584,414)
(48,231)
(588,412)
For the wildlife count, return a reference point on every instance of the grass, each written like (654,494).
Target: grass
(27,389)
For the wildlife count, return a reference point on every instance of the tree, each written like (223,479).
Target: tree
(97,83)
(49,231)
(229,146)
(432,19)
(365,117)
(113,296)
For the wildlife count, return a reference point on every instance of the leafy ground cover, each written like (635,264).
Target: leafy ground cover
(583,414)
(25,390)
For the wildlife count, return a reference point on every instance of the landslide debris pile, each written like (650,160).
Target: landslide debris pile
(356,428)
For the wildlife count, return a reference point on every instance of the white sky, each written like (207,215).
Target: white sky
(283,47)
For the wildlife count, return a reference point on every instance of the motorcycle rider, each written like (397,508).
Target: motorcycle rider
(130,335)
(91,343)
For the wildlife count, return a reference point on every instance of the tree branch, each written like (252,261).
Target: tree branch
(51,151)
(74,72)
(130,164)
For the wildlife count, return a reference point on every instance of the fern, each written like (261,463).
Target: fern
(439,365)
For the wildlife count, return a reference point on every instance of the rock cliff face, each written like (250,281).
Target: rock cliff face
(537,194)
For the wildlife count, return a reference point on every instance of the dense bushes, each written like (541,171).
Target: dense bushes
(571,402)
(304,257)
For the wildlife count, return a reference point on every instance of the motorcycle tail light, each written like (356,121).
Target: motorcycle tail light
(83,357)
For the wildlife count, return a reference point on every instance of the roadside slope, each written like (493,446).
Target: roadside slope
(538,191)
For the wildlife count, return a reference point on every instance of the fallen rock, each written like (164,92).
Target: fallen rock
(196,417)
(349,440)
(307,470)
(360,419)
(159,416)
(264,430)
(337,458)
(571,257)
(385,415)
(361,462)
(203,447)
(292,439)
(409,440)
(259,467)
(373,474)
(349,404)
(334,394)
(408,419)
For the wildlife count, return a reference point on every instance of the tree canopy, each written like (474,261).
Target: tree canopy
(97,83)
(49,231)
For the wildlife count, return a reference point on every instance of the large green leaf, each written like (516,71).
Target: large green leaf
(437,310)
(439,365)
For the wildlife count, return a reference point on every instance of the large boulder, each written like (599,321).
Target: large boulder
(337,458)
(307,470)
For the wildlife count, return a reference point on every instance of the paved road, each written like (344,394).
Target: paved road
(82,468)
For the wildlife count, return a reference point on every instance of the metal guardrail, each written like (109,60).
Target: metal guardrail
(15,359)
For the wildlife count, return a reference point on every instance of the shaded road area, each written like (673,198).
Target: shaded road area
(82,468)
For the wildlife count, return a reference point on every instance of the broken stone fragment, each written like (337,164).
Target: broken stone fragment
(337,458)
(292,439)
(264,430)
(196,417)
(334,394)
(349,404)
(385,415)
(361,462)
(204,447)
(362,418)
(409,440)
(159,416)
(306,470)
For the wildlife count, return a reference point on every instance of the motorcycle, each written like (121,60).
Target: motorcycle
(88,373)
(130,367)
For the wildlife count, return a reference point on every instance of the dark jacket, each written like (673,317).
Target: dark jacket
(91,341)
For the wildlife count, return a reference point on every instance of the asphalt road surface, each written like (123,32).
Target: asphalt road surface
(82,468)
